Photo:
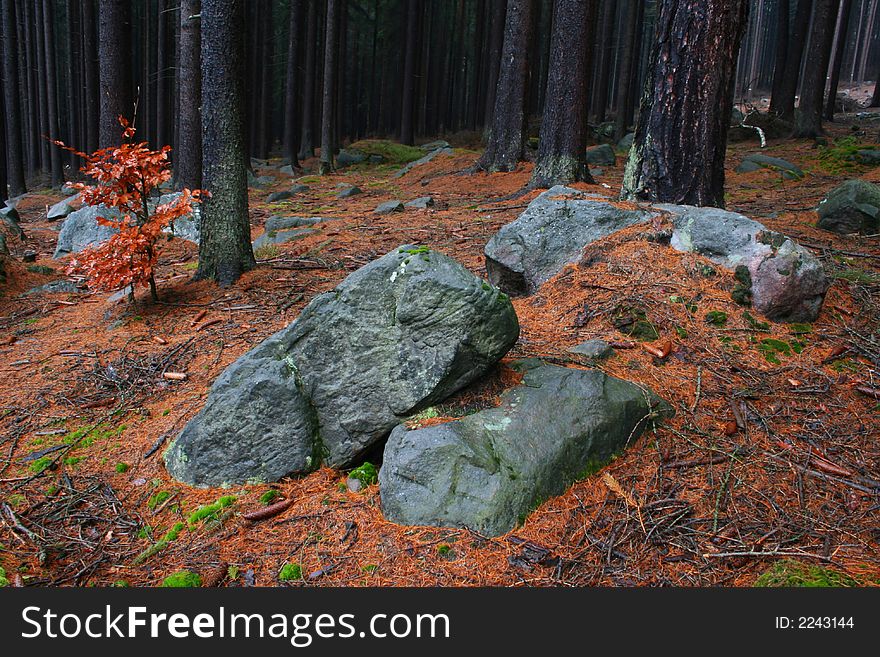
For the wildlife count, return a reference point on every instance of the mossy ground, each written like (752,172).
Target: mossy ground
(788,573)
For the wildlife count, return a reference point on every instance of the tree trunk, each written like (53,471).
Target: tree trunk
(784,104)
(496,41)
(188,162)
(14,155)
(329,94)
(808,117)
(90,55)
(306,142)
(681,134)
(563,141)
(74,85)
(225,250)
(261,144)
(290,144)
(163,75)
(52,92)
(839,51)
(627,63)
(604,69)
(33,116)
(783,10)
(507,138)
(114,58)
(414,8)
(42,89)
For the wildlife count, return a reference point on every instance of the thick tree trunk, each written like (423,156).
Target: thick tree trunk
(188,162)
(52,92)
(14,150)
(507,138)
(563,141)
(496,41)
(839,51)
(290,141)
(261,120)
(33,117)
(414,9)
(225,250)
(604,69)
(783,10)
(808,117)
(784,104)
(627,63)
(306,142)
(329,94)
(42,90)
(681,134)
(163,75)
(92,84)
(114,58)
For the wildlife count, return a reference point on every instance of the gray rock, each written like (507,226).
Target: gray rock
(287,169)
(550,233)
(755,161)
(423,160)
(852,207)
(58,211)
(396,336)
(349,156)
(4,250)
(626,142)
(488,470)
(277,223)
(279,196)
(788,283)
(593,349)
(81,229)
(420,203)
(375,158)
(736,116)
(354,484)
(596,171)
(67,190)
(56,287)
(868,156)
(185,227)
(389,206)
(258,182)
(9,216)
(348,192)
(434,145)
(602,154)
(299,189)
(282,236)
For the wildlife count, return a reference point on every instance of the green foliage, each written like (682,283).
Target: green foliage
(210,510)
(716,317)
(365,473)
(120,584)
(182,579)
(754,323)
(773,348)
(267,252)
(269,496)
(790,572)
(3,580)
(369,567)
(40,464)
(157,499)
(445,551)
(122,468)
(858,276)
(290,572)
(393,152)
(840,156)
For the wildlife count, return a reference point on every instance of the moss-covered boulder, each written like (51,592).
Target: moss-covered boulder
(852,207)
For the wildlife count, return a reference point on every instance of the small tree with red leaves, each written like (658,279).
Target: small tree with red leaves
(126,175)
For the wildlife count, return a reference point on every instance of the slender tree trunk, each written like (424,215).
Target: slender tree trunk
(875,98)
(14,151)
(57,171)
(681,134)
(784,104)
(496,42)
(264,108)
(90,55)
(290,140)
(604,77)
(4,184)
(42,89)
(306,142)
(114,57)
(225,250)
(188,163)
(808,117)
(507,138)
(839,51)
(74,85)
(329,95)
(414,8)
(783,10)
(563,141)
(33,116)
(163,75)
(627,63)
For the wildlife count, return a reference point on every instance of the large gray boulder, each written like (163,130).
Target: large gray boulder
(787,283)
(81,229)
(488,470)
(398,335)
(350,156)
(60,209)
(852,207)
(550,233)
(185,227)
(603,154)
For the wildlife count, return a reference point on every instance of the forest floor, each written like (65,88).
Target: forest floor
(773,452)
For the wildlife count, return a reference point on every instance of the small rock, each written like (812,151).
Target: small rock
(593,349)
(67,190)
(626,142)
(348,157)
(59,211)
(871,157)
(602,154)
(389,206)
(282,236)
(852,207)
(279,196)
(756,161)
(287,169)
(55,287)
(420,203)
(598,171)
(348,192)
(423,160)
(29,256)
(354,485)
(299,189)
(434,145)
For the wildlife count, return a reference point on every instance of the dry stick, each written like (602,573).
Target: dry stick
(699,385)
(772,553)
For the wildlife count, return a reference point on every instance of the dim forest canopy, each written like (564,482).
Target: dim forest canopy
(440,293)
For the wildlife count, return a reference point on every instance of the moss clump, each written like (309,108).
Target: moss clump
(122,468)
(182,579)
(290,572)
(754,323)
(633,322)
(157,499)
(161,544)
(3,580)
(85,438)
(120,584)
(716,318)
(40,464)
(594,465)
(210,511)
(269,496)
(366,474)
(445,551)
(773,348)
(393,152)
(840,156)
(742,290)
(369,567)
(788,572)
(799,329)
(40,269)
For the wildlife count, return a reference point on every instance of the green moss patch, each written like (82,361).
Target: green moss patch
(182,579)
(210,511)
(393,152)
(716,318)
(366,474)
(290,572)
(788,572)
(269,496)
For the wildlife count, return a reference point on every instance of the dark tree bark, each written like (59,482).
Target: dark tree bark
(42,90)
(114,58)
(225,250)
(33,117)
(808,117)
(329,94)
(875,99)
(834,72)
(52,93)
(306,141)
(681,134)
(74,85)
(261,120)
(604,69)
(783,10)
(496,41)
(164,72)
(625,74)
(784,104)
(507,138)
(188,163)
(563,141)
(290,141)
(91,78)
(414,10)
(14,149)
(4,185)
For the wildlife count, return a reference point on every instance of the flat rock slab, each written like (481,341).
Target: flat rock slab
(388,207)
(851,207)
(755,161)
(56,287)
(348,192)
(60,210)
(487,471)
(593,350)
(277,222)
(279,196)
(550,233)
(282,236)
(398,335)
(423,160)
(421,203)
(787,283)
